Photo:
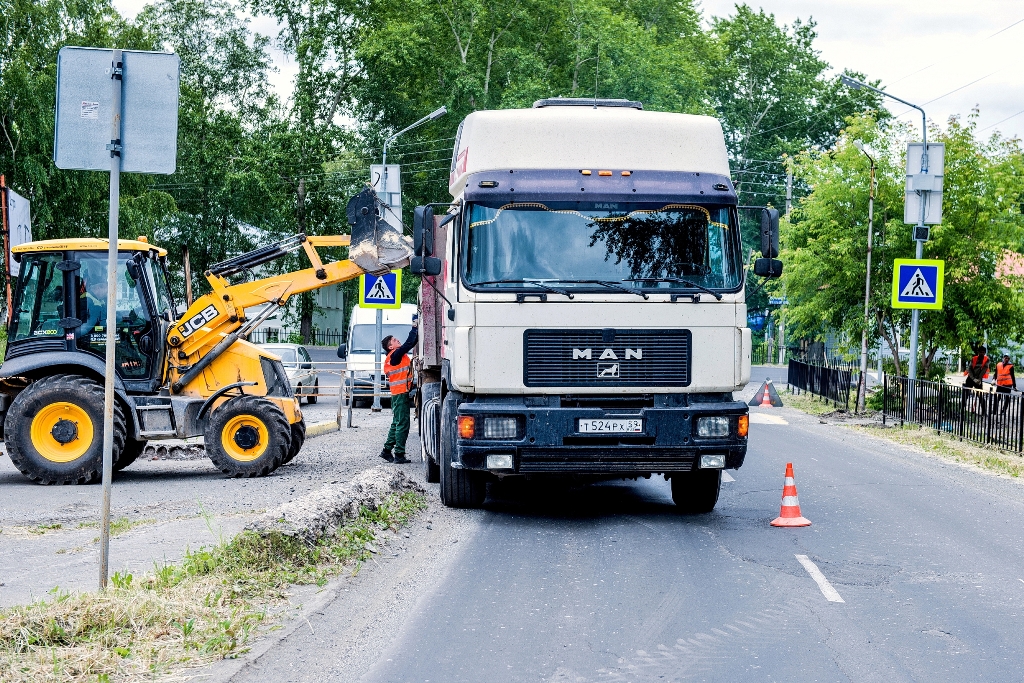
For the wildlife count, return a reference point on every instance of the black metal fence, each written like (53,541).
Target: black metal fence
(830,383)
(316,338)
(981,416)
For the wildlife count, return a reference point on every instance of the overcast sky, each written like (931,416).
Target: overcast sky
(947,56)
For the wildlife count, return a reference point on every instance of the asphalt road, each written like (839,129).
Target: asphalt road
(608,583)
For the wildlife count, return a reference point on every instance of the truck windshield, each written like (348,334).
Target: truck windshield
(639,245)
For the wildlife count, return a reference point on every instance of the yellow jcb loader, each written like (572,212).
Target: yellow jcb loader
(176,377)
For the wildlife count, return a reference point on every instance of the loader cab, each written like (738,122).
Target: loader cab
(60,302)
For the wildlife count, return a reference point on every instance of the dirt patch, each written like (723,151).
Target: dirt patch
(319,514)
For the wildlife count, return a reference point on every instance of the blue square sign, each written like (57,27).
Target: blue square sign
(381,291)
(917,283)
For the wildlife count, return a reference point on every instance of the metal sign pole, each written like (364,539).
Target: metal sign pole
(108,383)
(376,362)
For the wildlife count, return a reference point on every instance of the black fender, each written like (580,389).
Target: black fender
(37,365)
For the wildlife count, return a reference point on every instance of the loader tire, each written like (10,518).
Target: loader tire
(54,430)
(131,452)
(298,430)
(696,492)
(247,436)
(459,488)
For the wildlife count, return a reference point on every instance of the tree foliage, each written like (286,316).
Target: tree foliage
(825,243)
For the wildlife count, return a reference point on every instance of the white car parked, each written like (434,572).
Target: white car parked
(299,367)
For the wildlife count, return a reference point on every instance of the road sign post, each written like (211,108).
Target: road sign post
(380,292)
(117,110)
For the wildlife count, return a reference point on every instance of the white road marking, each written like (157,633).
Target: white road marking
(830,593)
(766,419)
(726,477)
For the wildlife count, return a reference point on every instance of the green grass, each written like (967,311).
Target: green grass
(948,447)
(808,403)
(206,607)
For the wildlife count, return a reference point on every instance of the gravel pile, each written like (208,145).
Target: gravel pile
(319,514)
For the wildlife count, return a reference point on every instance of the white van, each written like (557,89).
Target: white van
(363,340)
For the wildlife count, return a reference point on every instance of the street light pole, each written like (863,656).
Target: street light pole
(863,384)
(436,114)
(920,231)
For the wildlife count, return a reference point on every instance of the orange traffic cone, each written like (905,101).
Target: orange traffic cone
(766,399)
(790,515)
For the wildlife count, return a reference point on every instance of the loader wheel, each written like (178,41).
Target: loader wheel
(459,488)
(298,430)
(54,430)
(131,452)
(247,436)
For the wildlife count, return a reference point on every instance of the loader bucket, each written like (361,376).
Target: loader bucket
(376,246)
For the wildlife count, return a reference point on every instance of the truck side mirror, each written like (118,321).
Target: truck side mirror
(425,265)
(770,233)
(423,231)
(342,351)
(768,267)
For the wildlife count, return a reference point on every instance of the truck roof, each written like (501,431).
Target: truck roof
(578,137)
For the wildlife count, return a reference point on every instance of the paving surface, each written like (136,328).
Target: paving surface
(171,505)
(608,583)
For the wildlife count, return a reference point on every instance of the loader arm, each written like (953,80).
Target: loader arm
(216,321)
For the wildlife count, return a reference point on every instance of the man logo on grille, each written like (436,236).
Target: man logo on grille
(608,370)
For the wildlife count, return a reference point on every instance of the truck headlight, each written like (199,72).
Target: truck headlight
(500,428)
(712,461)
(713,426)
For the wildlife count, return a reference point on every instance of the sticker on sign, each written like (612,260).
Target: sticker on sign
(90,110)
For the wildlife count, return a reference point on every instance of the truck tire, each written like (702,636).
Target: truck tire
(430,427)
(298,430)
(696,492)
(459,488)
(131,452)
(311,398)
(248,436)
(54,430)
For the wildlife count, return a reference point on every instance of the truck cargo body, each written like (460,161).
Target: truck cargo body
(593,319)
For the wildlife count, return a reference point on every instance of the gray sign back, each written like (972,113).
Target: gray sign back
(149,112)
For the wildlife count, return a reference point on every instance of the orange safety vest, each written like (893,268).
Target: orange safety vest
(983,363)
(399,376)
(1003,378)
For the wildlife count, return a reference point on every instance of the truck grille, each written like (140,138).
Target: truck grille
(606,358)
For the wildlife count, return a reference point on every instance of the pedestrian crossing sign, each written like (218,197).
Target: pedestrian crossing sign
(381,291)
(917,283)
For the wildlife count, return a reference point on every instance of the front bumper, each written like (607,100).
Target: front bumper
(548,440)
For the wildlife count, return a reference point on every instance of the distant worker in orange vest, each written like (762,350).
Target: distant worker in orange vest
(978,369)
(398,368)
(1006,380)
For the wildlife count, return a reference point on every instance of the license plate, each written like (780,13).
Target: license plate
(610,426)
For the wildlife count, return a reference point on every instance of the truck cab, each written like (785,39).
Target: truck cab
(583,302)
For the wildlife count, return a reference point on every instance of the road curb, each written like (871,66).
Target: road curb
(320,428)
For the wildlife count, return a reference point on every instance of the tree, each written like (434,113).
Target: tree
(825,242)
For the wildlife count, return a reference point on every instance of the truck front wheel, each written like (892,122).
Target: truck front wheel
(696,492)
(459,488)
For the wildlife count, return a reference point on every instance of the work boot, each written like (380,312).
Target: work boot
(401,459)
(386,454)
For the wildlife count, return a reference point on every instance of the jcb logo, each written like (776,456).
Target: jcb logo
(190,326)
(607,354)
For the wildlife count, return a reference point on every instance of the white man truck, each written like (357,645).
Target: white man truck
(582,304)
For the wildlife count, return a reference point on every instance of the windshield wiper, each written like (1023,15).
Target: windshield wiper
(549,288)
(677,280)
(611,284)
